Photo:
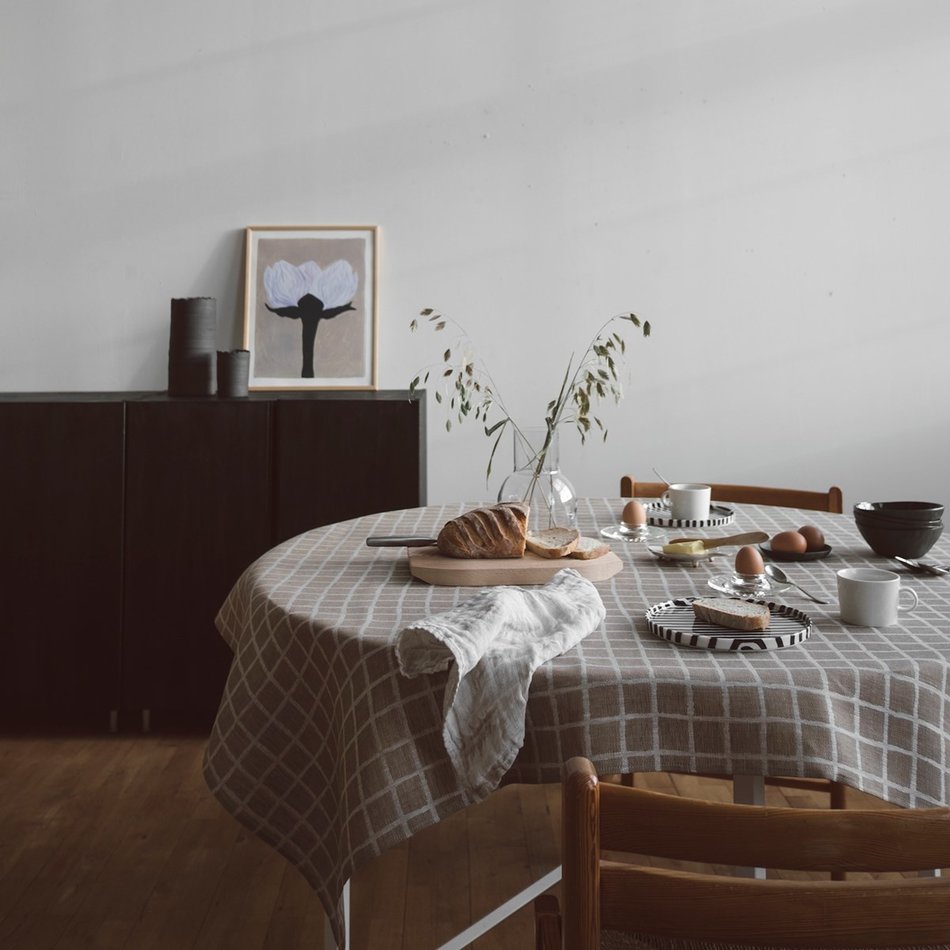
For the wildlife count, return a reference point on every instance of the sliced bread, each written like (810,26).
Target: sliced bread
(553,542)
(589,548)
(732,613)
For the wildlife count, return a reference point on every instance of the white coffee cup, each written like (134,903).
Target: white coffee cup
(688,502)
(869,596)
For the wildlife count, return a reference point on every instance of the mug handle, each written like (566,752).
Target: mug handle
(665,501)
(915,600)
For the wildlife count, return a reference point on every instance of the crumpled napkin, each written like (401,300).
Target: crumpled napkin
(493,643)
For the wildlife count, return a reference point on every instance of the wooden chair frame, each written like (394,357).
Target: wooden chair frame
(831,500)
(597,817)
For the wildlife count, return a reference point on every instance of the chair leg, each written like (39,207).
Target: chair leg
(547,923)
(839,798)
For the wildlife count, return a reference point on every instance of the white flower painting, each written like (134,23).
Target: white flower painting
(309,294)
(310,314)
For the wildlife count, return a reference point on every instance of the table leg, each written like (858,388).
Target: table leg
(749,790)
(470,934)
(329,941)
(500,913)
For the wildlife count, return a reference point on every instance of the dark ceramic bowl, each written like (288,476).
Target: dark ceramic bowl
(901,510)
(888,541)
(886,521)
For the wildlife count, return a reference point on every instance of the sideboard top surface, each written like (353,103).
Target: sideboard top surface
(380,395)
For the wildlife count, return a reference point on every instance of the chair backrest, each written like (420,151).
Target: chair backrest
(891,912)
(831,500)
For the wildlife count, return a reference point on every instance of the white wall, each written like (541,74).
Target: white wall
(765,181)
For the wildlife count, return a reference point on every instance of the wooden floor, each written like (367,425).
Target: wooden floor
(113,842)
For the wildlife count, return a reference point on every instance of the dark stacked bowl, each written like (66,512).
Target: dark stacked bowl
(899,528)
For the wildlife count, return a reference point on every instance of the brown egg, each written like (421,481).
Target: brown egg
(790,541)
(749,561)
(634,514)
(814,539)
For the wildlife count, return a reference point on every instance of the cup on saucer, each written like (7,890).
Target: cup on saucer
(688,501)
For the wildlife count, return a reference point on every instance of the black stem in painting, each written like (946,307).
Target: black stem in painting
(309,323)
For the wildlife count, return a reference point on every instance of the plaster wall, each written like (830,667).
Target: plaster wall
(765,182)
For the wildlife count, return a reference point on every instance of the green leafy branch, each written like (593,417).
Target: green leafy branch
(468,390)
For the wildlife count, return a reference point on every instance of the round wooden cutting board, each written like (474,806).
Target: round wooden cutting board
(428,565)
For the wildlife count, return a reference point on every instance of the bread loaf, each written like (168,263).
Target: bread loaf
(732,613)
(498,531)
(553,542)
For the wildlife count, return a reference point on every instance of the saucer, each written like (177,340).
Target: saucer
(661,516)
(657,551)
(764,586)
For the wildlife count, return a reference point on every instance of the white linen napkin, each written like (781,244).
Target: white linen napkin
(494,642)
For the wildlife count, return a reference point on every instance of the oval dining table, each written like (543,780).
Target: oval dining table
(322,748)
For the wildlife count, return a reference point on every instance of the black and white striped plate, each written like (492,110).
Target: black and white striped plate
(675,621)
(659,514)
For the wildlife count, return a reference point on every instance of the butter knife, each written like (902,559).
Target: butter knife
(398,541)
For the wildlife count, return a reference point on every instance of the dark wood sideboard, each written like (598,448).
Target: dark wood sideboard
(125,518)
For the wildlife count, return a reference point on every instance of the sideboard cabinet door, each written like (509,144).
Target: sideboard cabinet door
(60,561)
(197,513)
(343,456)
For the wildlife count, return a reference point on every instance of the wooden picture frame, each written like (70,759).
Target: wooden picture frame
(311,306)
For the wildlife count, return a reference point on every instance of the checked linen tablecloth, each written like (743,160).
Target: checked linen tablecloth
(323,749)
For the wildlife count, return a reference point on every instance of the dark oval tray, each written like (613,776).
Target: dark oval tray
(766,549)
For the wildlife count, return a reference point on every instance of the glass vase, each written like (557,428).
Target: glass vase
(538,481)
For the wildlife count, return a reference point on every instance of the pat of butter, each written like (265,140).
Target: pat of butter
(684,547)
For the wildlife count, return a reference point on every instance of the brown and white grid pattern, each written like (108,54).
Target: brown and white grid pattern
(324,750)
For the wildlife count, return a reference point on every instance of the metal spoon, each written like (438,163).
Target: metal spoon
(920,566)
(777,574)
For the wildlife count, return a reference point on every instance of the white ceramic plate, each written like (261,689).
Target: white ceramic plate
(675,621)
(660,515)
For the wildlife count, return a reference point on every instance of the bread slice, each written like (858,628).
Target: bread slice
(589,548)
(553,542)
(732,613)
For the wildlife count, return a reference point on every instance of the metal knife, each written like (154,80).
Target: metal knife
(398,541)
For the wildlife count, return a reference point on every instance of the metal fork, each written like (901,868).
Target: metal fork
(920,566)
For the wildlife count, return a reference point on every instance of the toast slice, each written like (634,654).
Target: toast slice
(589,548)
(553,542)
(732,613)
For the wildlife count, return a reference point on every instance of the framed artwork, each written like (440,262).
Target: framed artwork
(310,307)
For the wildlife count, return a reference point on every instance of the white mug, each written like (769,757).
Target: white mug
(688,502)
(869,597)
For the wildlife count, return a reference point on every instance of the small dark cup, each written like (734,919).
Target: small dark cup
(233,369)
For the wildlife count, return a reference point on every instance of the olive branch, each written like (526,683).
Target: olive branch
(466,388)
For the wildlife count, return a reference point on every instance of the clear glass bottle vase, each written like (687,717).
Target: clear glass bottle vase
(539,482)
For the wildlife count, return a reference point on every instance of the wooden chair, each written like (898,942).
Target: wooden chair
(831,501)
(600,895)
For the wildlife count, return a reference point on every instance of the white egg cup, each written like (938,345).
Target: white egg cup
(627,532)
